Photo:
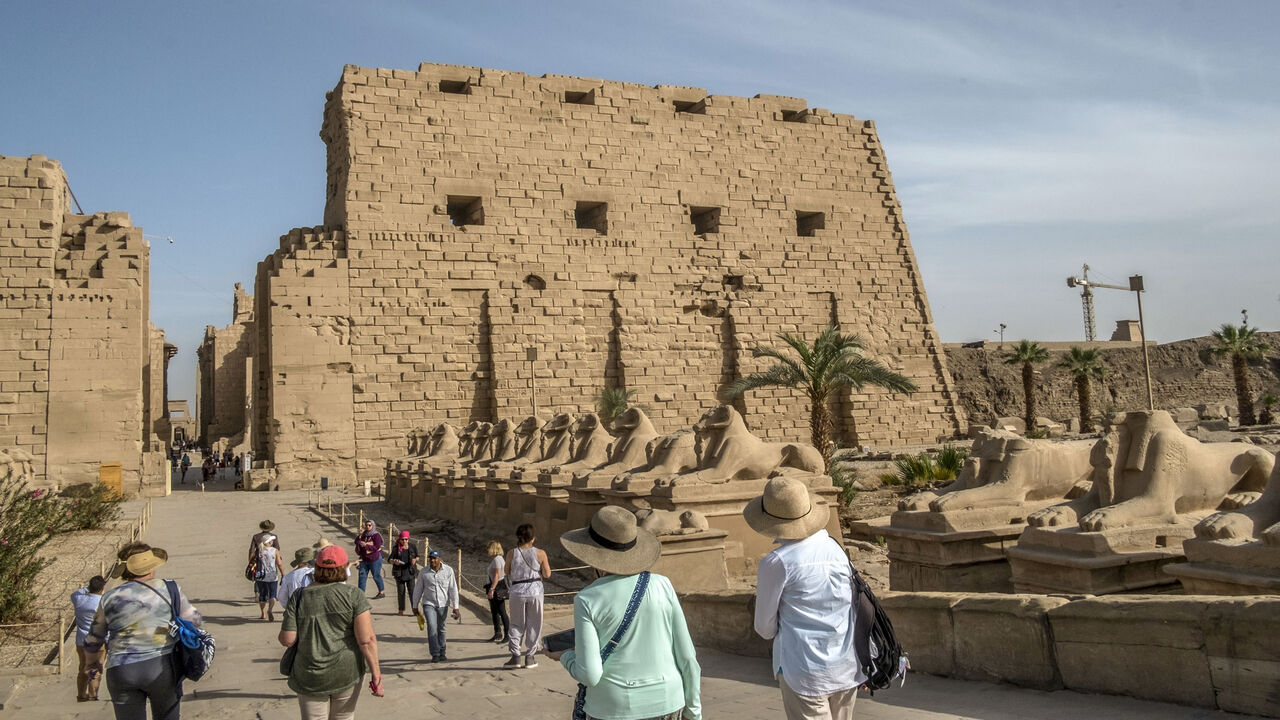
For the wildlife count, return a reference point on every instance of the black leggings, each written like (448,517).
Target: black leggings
(501,622)
(135,685)
(403,586)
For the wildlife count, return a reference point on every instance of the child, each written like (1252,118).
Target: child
(85,602)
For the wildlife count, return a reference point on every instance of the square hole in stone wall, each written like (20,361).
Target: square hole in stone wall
(795,116)
(573,97)
(455,87)
(592,216)
(465,210)
(697,107)
(705,219)
(808,222)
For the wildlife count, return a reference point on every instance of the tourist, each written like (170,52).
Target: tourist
(136,616)
(804,603)
(434,594)
(497,592)
(647,668)
(206,471)
(332,626)
(527,567)
(84,602)
(298,578)
(270,570)
(404,567)
(369,550)
(186,465)
(265,528)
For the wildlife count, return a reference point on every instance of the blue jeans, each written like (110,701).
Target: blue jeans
(437,620)
(373,567)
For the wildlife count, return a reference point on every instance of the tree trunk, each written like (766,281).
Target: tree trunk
(1244,399)
(1029,393)
(820,429)
(1083,391)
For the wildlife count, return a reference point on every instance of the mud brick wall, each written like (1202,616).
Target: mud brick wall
(647,237)
(77,372)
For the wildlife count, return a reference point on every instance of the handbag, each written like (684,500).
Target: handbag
(193,652)
(291,652)
(252,571)
(642,584)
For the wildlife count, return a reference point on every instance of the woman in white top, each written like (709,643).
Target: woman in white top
(271,569)
(526,568)
(497,591)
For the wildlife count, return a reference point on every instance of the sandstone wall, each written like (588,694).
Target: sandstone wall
(647,237)
(222,373)
(1182,376)
(76,365)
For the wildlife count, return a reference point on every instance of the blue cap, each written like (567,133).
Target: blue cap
(434,554)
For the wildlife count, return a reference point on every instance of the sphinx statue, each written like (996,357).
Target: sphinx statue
(1005,469)
(527,447)
(590,445)
(481,443)
(442,447)
(1258,520)
(556,442)
(671,522)
(666,455)
(628,452)
(467,441)
(1147,471)
(503,442)
(730,452)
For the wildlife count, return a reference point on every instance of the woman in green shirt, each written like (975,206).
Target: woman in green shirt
(653,670)
(331,624)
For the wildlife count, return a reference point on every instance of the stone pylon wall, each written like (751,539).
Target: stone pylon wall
(643,236)
(76,344)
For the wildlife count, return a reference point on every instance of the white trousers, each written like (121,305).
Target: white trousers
(526,625)
(836,706)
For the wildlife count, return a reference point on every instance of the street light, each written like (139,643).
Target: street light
(1136,286)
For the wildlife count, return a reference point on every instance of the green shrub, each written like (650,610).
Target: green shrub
(844,475)
(925,469)
(28,519)
(91,506)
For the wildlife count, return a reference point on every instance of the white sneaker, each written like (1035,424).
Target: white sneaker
(531,661)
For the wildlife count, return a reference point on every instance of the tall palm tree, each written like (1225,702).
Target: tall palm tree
(1242,344)
(1084,365)
(834,362)
(1028,355)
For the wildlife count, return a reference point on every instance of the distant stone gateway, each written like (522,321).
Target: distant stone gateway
(494,240)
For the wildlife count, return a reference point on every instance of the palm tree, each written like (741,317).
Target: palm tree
(1242,344)
(612,402)
(834,362)
(1028,355)
(1084,365)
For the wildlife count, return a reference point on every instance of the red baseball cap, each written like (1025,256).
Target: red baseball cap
(331,556)
(404,533)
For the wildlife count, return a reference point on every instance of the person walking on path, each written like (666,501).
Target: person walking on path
(804,604)
(497,592)
(331,624)
(404,567)
(186,465)
(527,567)
(85,603)
(434,594)
(369,550)
(271,569)
(632,652)
(265,528)
(136,615)
(301,576)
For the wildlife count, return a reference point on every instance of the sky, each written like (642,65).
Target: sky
(1025,138)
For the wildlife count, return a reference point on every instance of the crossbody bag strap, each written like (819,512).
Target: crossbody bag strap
(171,601)
(864,614)
(642,585)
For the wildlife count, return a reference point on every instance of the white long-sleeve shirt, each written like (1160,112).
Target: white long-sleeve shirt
(436,588)
(803,603)
(293,582)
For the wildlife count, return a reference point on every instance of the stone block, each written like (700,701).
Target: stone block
(922,623)
(1006,638)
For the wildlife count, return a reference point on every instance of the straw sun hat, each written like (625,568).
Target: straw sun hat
(144,562)
(614,543)
(786,510)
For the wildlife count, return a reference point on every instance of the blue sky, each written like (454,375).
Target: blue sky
(1025,138)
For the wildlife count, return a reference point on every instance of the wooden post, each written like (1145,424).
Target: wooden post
(360,522)
(62,636)
(342,516)
(102,568)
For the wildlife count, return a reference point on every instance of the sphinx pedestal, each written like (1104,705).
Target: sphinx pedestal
(1228,567)
(953,551)
(694,562)
(1069,560)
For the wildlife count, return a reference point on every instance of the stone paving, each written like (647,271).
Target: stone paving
(206,535)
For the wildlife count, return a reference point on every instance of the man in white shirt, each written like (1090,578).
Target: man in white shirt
(804,603)
(434,594)
(304,562)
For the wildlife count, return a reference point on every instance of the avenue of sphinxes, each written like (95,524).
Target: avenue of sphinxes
(496,244)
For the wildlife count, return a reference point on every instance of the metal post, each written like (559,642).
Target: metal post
(1136,285)
(458,580)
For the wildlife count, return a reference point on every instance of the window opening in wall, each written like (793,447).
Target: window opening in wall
(705,219)
(698,107)
(465,210)
(732,282)
(592,216)
(580,98)
(808,222)
(796,116)
(455,87)
(533,282)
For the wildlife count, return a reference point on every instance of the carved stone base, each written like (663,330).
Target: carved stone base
(1068,560)
(1217,567)
(694,562)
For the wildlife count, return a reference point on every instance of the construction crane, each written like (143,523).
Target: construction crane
(1135,286)
(1086,298)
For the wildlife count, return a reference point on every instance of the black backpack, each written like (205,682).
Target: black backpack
(872,629)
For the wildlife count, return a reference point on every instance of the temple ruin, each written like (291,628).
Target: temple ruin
(82,370)
(497,243)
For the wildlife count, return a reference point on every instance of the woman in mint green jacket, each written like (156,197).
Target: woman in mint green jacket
(653,671)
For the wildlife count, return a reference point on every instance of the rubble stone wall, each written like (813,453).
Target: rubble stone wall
(645,237)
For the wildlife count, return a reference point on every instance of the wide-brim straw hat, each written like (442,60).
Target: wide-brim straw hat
(614,543)
(143,562)
(321,543)
(787,510)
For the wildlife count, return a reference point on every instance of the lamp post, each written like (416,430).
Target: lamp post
(1136,286)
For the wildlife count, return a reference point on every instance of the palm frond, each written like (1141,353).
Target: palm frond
(776,376)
